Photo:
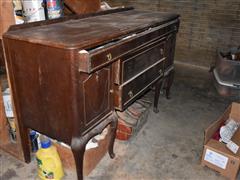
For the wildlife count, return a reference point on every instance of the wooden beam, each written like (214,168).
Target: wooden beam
(83,6)
(6,15)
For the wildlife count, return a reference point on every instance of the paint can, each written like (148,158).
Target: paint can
(54,9)
(33,10)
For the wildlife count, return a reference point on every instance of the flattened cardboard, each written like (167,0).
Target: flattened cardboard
(233,164)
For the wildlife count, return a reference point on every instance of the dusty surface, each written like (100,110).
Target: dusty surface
(169,146)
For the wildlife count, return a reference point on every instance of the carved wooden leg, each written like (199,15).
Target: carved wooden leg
(158,86)
(79,142)
(78,148)
(169,83)
(113,126)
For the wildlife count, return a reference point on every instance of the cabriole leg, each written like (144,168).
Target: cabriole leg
(113,127)
(79,142)
(78,149)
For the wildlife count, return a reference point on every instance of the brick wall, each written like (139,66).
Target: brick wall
(206,25)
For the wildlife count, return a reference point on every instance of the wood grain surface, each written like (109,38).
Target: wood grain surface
(93,31)
(6,18)
(83,6)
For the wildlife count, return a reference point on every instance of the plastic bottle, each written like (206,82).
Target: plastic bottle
(34,142)
(49,163)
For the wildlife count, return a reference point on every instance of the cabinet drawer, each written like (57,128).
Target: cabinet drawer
(137,61)
(131,89)
(95,58)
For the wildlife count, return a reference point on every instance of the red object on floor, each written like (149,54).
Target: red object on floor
(216,135)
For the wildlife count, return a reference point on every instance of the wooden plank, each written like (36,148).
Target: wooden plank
(6,16)
(6,20)
(2,63)
(83,6)
(4,137)
(14,149)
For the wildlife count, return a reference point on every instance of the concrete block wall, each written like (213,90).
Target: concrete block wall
(206,25)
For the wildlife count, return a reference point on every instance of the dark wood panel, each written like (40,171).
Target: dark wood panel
(96,96)
(2,63)
(132,89)
(42,91)
(137,61)
(170,49)
(83,6)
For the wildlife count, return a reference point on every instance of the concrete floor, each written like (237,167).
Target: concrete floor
(169,145)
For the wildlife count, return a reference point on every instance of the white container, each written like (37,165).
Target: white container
(227,131)
(33,10)
(7,101)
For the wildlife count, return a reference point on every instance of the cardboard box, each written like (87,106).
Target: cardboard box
(91,157)
(215,154)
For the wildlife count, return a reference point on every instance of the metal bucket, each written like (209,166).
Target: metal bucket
(33,10)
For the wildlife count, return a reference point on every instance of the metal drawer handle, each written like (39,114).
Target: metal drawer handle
(161,51)
(109,57)
(160,71)
(130,93)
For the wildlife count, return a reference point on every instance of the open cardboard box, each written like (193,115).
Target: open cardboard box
(215,154)
(91,156)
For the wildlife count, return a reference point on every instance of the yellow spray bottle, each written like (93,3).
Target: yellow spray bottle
(49,163)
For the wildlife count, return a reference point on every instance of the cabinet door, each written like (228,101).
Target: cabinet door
(96,97)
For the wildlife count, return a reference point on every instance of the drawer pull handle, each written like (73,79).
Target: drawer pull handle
(109,57)
(160,71)
(130,93)
(161,51)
